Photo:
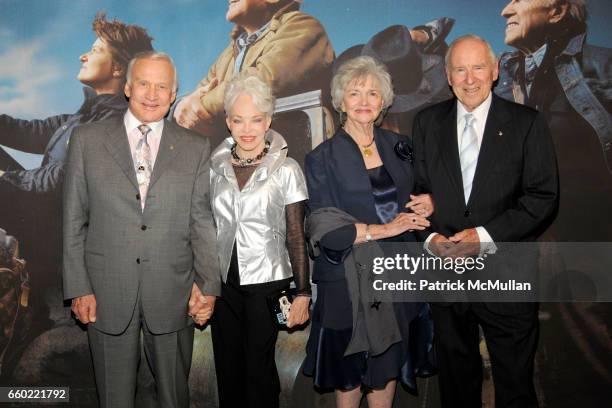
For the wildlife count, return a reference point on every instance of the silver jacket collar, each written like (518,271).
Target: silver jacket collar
(221,159)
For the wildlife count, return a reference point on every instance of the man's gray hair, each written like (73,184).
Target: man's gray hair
(250,84)
(447,57)
(152,55)
(577,12)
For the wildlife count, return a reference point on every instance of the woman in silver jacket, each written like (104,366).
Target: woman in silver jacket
(258,197)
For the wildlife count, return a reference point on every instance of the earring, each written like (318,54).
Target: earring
(342,115)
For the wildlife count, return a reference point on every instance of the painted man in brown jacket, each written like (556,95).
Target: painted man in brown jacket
(273,38)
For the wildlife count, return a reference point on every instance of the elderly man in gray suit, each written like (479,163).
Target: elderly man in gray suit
(139,239)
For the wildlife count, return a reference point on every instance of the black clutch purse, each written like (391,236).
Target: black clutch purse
(279,305)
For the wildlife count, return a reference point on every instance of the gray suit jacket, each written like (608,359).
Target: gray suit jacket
(114,250)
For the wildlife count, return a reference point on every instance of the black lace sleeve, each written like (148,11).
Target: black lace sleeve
(296,245)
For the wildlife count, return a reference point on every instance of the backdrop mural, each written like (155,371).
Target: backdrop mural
(52,79)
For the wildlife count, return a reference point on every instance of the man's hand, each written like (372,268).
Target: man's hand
(467,243)
(189,111)
(206,312)
(84,308)
(440,245)
(197,300)
(421,204)
(298,314)
(201,306)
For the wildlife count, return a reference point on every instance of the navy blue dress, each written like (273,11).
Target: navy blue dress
(332,315)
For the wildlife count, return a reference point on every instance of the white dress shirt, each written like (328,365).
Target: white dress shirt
(480,113)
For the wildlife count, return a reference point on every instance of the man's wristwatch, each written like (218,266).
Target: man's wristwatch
(368,236)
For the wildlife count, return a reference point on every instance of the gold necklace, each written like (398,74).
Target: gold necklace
(366,150)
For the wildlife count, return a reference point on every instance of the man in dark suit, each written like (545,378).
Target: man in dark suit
(491,168)
(139,238)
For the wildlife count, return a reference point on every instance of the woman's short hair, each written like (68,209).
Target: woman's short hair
(124,40)
(360,68)
(252,85)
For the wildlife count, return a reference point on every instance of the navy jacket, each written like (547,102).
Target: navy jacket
(337,177)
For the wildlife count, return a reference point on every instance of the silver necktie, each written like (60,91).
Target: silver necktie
(142,163)
(468,154)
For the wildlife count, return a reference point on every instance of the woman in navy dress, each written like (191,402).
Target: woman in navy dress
(364,171)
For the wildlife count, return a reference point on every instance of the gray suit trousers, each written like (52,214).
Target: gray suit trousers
(116,359)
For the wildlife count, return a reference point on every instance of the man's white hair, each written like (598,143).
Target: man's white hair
(152,55)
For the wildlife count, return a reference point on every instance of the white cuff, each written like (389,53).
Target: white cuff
(487,246)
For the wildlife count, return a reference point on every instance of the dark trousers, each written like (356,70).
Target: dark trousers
(244,343)
(116,359)
(511,334)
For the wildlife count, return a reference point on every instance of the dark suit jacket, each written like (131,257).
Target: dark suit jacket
(337,177)
(515,191)
(115,250)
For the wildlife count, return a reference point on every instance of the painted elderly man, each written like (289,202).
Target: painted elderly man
(555,71)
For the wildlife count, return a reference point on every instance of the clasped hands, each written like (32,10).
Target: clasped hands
(201,307)
(462,244)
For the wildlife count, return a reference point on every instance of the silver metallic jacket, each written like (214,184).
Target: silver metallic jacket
(255,216)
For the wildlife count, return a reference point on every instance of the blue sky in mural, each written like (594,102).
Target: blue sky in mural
(40,40)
